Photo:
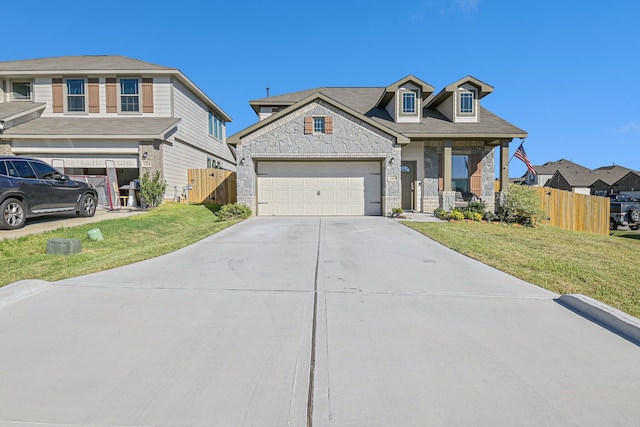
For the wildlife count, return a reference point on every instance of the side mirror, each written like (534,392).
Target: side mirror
(64,178)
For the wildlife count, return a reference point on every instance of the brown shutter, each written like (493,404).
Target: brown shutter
(56,88)
(440,176)
(112,95)
(308,125)
(328,124)
(147,95)
(94,95)
(475,174)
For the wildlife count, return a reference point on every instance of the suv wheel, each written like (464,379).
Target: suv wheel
(12,215)
(613,225)
(87,205)
(634,215)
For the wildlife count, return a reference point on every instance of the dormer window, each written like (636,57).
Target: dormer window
(466,103)
(408,103)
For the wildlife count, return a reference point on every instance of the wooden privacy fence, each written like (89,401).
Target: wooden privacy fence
(212,186)
(573,211)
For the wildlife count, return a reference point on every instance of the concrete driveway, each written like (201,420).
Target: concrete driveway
(341,321)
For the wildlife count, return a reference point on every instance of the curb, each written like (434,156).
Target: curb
(22,289)
(613,319)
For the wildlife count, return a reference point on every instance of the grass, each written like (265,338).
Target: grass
(126,240)
(562,261)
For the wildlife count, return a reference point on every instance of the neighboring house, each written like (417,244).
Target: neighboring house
(546,171)
(366,151)
(81,111)
(604,180)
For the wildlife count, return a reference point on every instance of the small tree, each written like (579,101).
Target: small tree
(521,204)
(152,189)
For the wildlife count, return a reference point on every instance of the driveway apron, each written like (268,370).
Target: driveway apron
(333,321)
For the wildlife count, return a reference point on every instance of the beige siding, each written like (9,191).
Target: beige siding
(446,108)
(194,127)
(42,93)
(161,97)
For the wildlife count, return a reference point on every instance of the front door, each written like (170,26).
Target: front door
(408,170)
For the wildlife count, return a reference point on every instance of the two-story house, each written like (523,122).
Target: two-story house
(365,151)
(80,112)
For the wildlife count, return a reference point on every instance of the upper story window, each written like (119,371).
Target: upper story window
(75,95)
(466,103)
(408,103)
(318,125)
(129,95)
(215,127)
(22,91)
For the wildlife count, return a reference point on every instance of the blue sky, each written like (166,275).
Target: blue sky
(564,71)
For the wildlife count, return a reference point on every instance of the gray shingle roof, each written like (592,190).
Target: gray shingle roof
(612,174)
(123,127)
(80,63)
(433,123)
(10,109)
(562,165)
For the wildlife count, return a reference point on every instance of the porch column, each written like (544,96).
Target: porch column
(504,172)
(447,195)
(504,165)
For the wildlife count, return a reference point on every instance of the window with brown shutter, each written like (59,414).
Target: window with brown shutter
(308,125)
(147,95)
(94,95)
(112,95)
(57,95)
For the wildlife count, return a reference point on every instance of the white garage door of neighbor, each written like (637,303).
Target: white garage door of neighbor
(319,188)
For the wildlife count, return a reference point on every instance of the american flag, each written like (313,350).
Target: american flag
(523,156)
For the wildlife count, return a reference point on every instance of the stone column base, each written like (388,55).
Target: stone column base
(447,200)
(248,201)
(430,203)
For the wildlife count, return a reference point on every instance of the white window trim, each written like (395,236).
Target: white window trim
(65,88)
(324,125)
(120,95)
(415,102)
(473,103)
(13,92)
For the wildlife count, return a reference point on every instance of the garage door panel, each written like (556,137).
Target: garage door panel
(319,188)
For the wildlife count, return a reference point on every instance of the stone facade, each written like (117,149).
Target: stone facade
(352,138)
(154,157)
(5,148)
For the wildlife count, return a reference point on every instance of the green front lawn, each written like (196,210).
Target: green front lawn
(126,240)
(562,261)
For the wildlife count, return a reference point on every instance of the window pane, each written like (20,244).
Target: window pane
(75,87)
(409,102)
(22,90)
(23,169)
(75,103)
(129,103)
(3,169)
(460,167)
(466,103)
(129,86)
(318,124)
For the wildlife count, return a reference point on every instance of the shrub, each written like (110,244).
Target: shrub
(472,215)
(478,206)
(395,212)
(521,204)
(233,211)
(152,189)
(456,215)
(440,213)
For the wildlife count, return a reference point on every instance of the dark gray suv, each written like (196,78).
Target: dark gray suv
(31,187)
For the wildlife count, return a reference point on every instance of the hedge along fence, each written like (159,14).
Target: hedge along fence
(574,211)
(212,186)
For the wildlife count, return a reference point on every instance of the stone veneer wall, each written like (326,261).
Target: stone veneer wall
(155,157)
(284,139)
(5,148)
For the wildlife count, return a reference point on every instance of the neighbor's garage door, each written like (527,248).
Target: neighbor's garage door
(319,188)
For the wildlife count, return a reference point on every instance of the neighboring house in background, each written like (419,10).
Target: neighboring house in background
(80,111)
(569,176)
(366,151)
(546,171)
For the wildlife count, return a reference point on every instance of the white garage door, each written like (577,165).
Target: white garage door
(319,188)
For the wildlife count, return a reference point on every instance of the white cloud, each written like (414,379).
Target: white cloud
(629,128)
(468,5)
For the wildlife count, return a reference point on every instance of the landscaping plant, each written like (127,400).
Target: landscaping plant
(152,189)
